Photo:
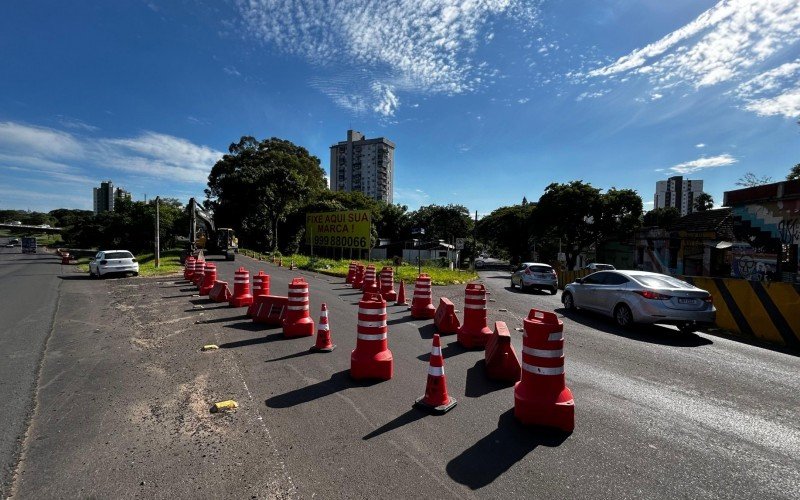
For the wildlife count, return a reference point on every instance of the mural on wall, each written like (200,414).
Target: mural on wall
(780,219)
(754,267)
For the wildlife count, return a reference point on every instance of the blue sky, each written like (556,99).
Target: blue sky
(488,101)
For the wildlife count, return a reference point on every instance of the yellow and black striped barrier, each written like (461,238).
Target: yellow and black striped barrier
(767,311)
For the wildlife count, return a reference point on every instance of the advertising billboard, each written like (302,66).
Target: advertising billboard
(350,229)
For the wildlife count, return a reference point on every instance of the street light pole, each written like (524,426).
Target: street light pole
(158,233)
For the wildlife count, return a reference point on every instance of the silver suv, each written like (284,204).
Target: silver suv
(534,275)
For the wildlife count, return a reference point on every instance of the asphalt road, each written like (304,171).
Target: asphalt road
(124,396)
(28,296)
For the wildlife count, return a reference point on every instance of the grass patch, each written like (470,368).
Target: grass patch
(170,263)
(406,272)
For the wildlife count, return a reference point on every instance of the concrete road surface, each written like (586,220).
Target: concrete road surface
(28,295)
(125,392)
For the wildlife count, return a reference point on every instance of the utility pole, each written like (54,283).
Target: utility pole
(158,233)
(474,243)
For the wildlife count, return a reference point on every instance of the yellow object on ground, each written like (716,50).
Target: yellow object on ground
(209,347)
(228,405)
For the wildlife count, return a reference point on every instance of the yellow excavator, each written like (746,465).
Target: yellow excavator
(205,237)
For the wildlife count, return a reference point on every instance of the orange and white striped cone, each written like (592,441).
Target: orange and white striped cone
(436,399)
(401,295)
(324,343)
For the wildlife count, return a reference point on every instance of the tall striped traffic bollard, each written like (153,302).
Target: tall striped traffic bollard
(474,332)
(422,302)
(387,284)
(372,359)
(298,322)
(542,397)
(199,272)
(209,277)
(241,289)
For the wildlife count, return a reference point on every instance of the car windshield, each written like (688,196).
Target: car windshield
(604,267)
(661,281)
(540,269)
(118,255)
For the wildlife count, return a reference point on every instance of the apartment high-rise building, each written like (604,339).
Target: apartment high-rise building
(364,165)
(103,197)
(679,193)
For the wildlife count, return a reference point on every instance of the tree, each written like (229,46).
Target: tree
(569,213)
(703,202)
(661,217)
(794,173)
(442,222)
(750,179)
(508,231)
(254,187)
(620,212)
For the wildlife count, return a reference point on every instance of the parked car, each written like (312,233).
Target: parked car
(533,275)
(483,261)
(113,262)
(14,242)
(595,266)
(641,297)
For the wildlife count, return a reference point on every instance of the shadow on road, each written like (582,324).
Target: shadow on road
(448,351)
(529,291)
(241,317)
(653,334)
(291,356)
(408,417)
(272,337)
(251,326)
(497,452)
(404,319)
(70,277)
(477,383)
(427,331)
(339,381)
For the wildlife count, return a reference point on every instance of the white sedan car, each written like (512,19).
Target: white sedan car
(113,262)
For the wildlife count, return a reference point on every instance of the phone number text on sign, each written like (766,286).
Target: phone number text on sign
(350,229)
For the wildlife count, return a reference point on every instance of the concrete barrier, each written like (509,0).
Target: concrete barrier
(766,311)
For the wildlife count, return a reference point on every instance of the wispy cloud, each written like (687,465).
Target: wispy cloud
(690,167)
(700,145)
(728,43)
(401,46)
(76,124)
(773,92)
(231,70)
(62,157)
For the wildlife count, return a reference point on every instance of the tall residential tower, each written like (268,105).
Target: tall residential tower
(364,165)
(679,193)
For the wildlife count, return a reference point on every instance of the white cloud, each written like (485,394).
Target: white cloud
(523,100)
(690,167)
(729,42)
(405,45)
(656,96)
(773,92)
(63,156)
(76,124)
(700,145)
(231,70)
(39,142)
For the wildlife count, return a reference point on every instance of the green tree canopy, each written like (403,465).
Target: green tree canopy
(703,202)
(661,217)
(254,187)
(508,231)
(442,222)
(794,173)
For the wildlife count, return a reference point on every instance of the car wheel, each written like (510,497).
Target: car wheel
(512,284)
(553,291)
(687,327)
(623,316)
(568,301)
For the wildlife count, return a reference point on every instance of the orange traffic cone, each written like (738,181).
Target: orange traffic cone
(324,343)
(436,399)
(401,295)
(280,261)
